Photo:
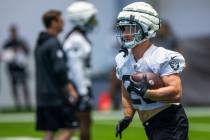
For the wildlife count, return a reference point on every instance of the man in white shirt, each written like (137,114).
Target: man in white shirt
(159,109)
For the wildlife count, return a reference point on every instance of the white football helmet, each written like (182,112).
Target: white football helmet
(143,21)
(82,14)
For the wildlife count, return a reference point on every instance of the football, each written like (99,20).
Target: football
(152,78)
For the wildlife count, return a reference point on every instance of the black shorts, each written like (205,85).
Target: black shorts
(169,124)
(54,118)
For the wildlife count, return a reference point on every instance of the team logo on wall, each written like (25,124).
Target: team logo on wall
(174,63)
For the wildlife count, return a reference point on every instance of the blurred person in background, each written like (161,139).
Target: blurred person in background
(54,92)
(160,110)
(78,49)
(15,54)
(165,37)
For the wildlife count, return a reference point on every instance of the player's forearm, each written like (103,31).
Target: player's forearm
(128,112)
(168,94)
(72,90)
(127,107)
(126,103)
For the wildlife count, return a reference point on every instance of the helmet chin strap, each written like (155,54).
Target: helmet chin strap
(133,43)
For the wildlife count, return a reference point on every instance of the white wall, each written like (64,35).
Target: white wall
(189,18)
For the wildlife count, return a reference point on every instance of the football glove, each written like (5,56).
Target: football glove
(123,124)
(140,87)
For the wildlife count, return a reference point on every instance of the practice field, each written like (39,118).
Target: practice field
(21,126)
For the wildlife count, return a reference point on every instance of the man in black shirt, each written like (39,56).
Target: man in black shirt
(53,89)
(16,66)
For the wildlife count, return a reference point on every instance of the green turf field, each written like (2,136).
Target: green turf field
(22,125)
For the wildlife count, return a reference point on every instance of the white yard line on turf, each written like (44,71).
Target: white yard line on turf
(19,138)
(28,138)
(17,117)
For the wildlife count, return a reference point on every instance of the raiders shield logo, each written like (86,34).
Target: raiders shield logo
(174,63)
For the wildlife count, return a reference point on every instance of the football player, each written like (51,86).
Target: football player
(78,48)
(159,109)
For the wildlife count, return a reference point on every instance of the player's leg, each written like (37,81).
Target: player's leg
(85,125)
(84,108)
(65,134)
(15,92)
(48,135)
(46,121)
(67,122)
(26,94)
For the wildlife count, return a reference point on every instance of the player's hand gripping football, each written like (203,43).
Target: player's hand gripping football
(123,124)
(142,86)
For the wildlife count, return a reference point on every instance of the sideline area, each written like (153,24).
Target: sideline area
(109,115)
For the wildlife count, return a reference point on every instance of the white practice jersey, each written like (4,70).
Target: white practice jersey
(156,60)
(78,51)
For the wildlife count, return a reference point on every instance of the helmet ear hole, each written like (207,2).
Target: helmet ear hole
(149,28)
